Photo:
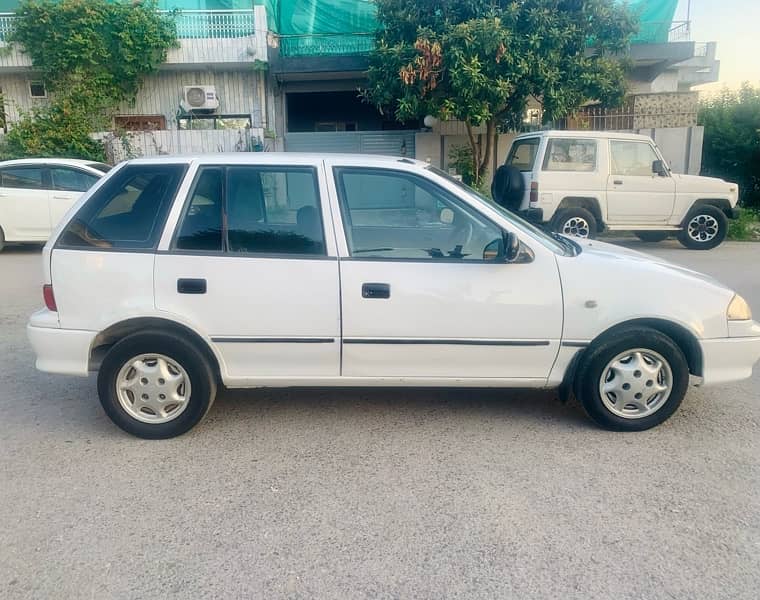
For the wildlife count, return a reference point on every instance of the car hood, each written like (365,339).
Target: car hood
(606,253)
(697,183)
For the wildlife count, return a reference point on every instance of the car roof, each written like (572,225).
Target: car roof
(70,162)
(617,135)
(280,157)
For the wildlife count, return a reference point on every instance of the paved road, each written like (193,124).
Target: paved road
(376,494)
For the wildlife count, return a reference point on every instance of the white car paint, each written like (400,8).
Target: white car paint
(482,324)
(31,214)
(626,202)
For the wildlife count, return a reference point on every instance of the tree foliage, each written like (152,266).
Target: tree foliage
(92,55)
(481,61)
(732,139)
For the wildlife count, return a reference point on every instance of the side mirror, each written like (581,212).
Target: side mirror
(659,168)
(505,249)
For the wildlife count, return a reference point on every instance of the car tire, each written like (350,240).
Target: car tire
(577,222)
(2,239)
(704,228)
(652,236)
(508,187)
(144,373)
(620,384)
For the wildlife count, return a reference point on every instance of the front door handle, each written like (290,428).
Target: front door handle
(191,286)
(376,290)
(617,181)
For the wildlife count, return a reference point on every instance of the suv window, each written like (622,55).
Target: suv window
(71,180)
(522,155)
(28,178)
(433,225)
(570,154)
(273,210)
(632,158)
(128,211)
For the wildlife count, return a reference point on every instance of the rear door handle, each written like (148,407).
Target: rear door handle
(618,181)
(376,290)
(191,286)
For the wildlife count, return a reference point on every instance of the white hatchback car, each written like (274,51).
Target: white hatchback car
(36,192)
(174,275)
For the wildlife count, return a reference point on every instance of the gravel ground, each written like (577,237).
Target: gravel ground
(376,494)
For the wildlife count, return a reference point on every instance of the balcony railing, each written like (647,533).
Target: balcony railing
(326,44)
(662,32)
(191,24)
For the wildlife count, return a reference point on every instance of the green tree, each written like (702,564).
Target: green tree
(92,55)
(732,139)
(480,61)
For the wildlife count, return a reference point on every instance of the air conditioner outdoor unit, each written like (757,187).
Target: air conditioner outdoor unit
(199,98)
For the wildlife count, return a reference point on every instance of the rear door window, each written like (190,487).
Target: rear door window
(522,155)
(71,180)
(128,211)
(26,178)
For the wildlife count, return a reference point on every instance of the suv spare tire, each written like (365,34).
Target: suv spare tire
(508,187)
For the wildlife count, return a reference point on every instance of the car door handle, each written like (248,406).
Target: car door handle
(376,290)
(191,286)
(617,181)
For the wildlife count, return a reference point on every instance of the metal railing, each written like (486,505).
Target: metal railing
(660,32)
(191,24)
(627,117)
(326,44)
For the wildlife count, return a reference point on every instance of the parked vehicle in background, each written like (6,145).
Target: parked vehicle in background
(35,193)
(173,276)
(583,182)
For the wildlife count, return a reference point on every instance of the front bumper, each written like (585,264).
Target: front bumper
(733,213)
(732,358)
(65,351)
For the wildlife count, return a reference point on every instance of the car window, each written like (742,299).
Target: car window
(410,218)
(71,180)
(254,209)
(631,158)
(128,211)
(29,178)
(273,210)
(522,155)
(570,155)
(201,227)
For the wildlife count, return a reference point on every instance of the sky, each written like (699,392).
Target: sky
(735,25)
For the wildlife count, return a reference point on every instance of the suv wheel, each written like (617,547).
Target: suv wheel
(155,385)
(633,380)
(577,222)
(705,228)
(652,236)
(2,239)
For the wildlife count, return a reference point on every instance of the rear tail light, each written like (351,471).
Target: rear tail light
(47,294)
(534,192)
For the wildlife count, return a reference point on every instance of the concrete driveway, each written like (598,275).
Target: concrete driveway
(375,494)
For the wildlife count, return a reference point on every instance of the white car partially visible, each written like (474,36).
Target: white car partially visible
(36,193)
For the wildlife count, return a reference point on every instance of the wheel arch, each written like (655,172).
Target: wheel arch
(685,339)
(721,204)
(590,203)
(117,331)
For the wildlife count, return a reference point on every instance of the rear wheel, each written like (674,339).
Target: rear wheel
(705,228)
(577,222)
(2,239)
(632,380)
(652,236)
(155,385)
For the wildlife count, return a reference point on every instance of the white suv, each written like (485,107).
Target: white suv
(582,182)
(36,192)
(175,275)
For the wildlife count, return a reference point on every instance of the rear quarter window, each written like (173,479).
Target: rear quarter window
(522,155)
(128,212)
(570,154)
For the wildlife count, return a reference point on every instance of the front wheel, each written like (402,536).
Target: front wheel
(155,385)
(633,380)
(577,222)
(705,228)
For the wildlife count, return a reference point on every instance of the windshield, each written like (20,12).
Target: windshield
(558,244)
